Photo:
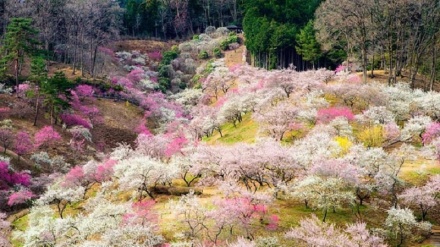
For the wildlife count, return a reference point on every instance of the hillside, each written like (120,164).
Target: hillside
(255,146)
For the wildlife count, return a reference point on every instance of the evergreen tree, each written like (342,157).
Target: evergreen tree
(271,28)
(56,91)
(307,46)
(19,42)
(38,76)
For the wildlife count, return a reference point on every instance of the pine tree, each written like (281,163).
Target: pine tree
(307,46)
(19,41)
(38,76)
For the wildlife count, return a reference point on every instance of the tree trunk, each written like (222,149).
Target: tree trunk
(325,215)
(16,76)
(433,66)
(37,108)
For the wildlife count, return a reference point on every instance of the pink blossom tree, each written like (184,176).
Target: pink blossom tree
(46,136)
(421,197)
(431,132)
(327,114)
(313,232)
(23,143)
(278,120)
(20,197)
(424,198)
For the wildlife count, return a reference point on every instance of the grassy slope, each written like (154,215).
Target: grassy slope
(246,131)
(291,212)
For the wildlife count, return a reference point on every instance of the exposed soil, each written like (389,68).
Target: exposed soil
(144,46)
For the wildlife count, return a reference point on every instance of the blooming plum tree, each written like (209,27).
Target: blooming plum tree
(328,114)
(20,197)
(46,136)
(4,227)
(23,143)
(322,193)
(7,138)
(142,173)
(313,232)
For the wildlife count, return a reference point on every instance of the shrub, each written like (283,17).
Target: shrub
(224,45)
(203,55)
(169,56)
(164,84)
(217,52)
(210,30)
(372,136)
(155,56)
(196,37)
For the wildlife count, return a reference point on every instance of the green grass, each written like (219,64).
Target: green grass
(19,224)
(418,172)
(292,212)
(245,131)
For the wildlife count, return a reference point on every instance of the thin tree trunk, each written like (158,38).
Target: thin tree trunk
(37,108)
(433,66)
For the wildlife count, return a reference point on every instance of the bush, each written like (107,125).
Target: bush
(217,52)
(203,55)
(224,45)
(210,30)
(372,136)
(169,56)
(164,84)
(196,37)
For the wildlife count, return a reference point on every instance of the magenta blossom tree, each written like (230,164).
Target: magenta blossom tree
(23,143)
(9,178)
(46,136)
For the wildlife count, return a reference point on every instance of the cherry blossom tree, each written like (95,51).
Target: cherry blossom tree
(20,197)
(424,198)
(278,120)
(62,197)
(4,227)
(50,164)
(23,143)
(80,135)
(323,194)
(421,197)
(142,173)
(46,136)
(7,138)
(313,232)
(400,222)
(328,114)
(432,131)
(112,229)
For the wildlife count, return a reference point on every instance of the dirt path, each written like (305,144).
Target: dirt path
(234,57)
